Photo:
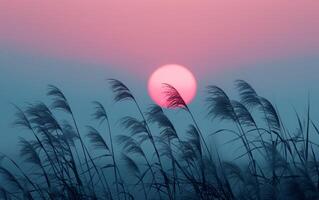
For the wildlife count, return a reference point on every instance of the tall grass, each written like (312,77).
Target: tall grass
(158,162)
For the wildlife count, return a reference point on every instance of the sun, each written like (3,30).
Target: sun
(175,75)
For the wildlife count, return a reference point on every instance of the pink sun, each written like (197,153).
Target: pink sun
(175,75)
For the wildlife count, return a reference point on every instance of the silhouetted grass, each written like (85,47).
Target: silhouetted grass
(162,164)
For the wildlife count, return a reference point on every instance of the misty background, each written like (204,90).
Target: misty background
(24,76)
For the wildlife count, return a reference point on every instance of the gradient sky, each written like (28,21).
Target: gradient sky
(150,33)
(76,44)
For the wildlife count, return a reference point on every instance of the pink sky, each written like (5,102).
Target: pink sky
(144,34)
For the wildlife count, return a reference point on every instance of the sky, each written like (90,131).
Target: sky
(77,44)
(148,33)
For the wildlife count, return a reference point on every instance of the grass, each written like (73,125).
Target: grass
(277,163)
